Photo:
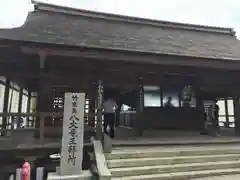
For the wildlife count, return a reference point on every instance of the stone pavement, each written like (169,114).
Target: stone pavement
(227,177)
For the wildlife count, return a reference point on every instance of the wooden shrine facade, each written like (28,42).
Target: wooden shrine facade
(100,54)
(49,76)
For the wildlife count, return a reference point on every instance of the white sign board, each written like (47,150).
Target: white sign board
(72,136)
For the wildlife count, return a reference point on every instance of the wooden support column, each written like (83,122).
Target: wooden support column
(118,110)
(19,107)
(91,114)
(99,125)
(41,99)
(236,101)
(5,105)
(37,123)
(199,100)
(28,107)
(42,128)
(200,105)
(40,105)
(139,124)
(226,124)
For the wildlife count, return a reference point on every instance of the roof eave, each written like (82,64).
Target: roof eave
(40,45)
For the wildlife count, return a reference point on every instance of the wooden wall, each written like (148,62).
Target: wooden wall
(172,118)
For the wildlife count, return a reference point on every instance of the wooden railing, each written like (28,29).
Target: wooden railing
(47,128)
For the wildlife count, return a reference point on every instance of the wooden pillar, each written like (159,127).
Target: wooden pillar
(38,110)
(37,123)
(42,104)
(28,107)
(199,101)
(91,119)
(236,101)
(41,128)
(5,105)
(139,123)
(118,110)
(200,107)
(19,107)
(99,125)
(226,124)
(45,106)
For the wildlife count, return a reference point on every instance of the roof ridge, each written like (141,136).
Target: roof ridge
(41,6)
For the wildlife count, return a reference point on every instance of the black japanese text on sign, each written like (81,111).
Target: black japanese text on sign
(73,126)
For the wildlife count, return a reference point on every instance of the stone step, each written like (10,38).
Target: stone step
(182,175)
(175,140)
(169,152)
(148,170)
(135,162)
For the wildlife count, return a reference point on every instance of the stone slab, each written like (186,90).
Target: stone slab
(228,177)
(174,168)
(85,175)
(172,160)
(107,145)
(72,136)
(103,171)
(186,175)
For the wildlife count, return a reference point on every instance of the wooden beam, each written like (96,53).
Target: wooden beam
(137,57)
(42,59)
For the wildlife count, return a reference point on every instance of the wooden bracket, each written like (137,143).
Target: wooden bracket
(42,57)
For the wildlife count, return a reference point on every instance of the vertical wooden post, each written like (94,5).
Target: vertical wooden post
(19,107)
(141,92)
(38,109)
(45,107)
(226,124)
(5,105)
(41,94)
(28,107)
(139,109)
(99,129)
(236,101)
(42,129)
(37,122)
(200,106)
(91,119)
(117,114)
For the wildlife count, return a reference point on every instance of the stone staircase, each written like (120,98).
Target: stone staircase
(173,162)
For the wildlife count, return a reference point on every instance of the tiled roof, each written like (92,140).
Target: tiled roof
(61,25)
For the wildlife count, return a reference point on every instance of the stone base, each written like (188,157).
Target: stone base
(107,146)
(85,175)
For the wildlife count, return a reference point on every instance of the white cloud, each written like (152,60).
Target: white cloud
(214,12)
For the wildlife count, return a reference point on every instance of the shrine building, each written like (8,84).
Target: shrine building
(142,63)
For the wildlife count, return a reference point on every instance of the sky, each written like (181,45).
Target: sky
(224,13)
